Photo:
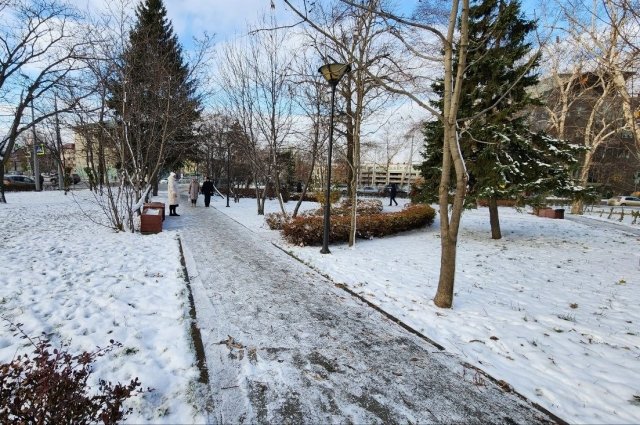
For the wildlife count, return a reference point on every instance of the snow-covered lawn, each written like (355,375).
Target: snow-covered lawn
(551,308)
(64,275)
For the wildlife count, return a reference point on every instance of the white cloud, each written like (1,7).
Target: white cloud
(224,18)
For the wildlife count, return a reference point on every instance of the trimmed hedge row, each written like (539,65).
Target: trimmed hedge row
(308,197)
(244,192)
(276,220)
(307,230)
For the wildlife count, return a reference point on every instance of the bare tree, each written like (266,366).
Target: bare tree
(608,31)
(235,80)
(579,105)
(600,37)
(386,149)
(256,82)
(353,35)
(271,69)
(409,81)
(214,131)
(310,97)
(39,54)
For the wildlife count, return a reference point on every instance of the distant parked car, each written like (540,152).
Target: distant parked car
(368,190)
(13,182)
(624,201)
(50,179)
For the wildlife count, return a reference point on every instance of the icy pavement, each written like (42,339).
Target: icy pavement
(284,345)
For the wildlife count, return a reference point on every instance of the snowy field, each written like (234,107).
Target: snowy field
(552,308)
(80,282)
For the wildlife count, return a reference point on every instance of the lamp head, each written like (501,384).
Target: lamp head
(333,72)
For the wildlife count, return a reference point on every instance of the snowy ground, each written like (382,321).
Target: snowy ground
(551,308)
(64,275)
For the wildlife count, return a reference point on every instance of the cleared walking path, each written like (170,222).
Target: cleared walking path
(284,345)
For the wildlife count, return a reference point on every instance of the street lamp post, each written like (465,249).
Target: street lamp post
(333,73)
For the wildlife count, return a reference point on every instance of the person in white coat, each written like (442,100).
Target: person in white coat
(172,194)
(194,190)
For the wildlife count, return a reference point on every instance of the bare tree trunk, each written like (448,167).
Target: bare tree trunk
(305,187)
(351,174)
(262,200)
(577,206)
(3,200)
(494,218)
(444,295)
(354,193)
(314,157)
(451,156)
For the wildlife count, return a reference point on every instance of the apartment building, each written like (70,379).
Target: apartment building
(402,174)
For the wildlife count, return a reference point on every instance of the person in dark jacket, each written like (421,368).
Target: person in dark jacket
(207,190)
(393,191)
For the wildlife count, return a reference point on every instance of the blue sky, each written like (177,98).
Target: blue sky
(230,18)
(227,19)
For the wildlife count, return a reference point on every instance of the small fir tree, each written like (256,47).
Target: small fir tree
(504,158)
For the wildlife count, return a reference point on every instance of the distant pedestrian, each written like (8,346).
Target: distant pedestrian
(207,190)
(393,191)
(41,178)
(194,189)
(172,194)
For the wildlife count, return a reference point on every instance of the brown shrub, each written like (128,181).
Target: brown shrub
(251,192)
(307,230)
(50,387)
(275,221)
(364,206)
(308,196)
(333,197)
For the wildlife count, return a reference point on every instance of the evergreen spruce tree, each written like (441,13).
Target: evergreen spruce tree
(154,95)
(505,160)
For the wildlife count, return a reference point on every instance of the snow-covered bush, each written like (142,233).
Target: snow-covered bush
(275,221)
(363,207)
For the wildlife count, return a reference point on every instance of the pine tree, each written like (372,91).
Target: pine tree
(153,94)
(504,158)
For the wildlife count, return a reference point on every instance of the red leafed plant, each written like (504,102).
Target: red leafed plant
(50,387)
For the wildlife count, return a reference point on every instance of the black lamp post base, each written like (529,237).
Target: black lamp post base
(325,251)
